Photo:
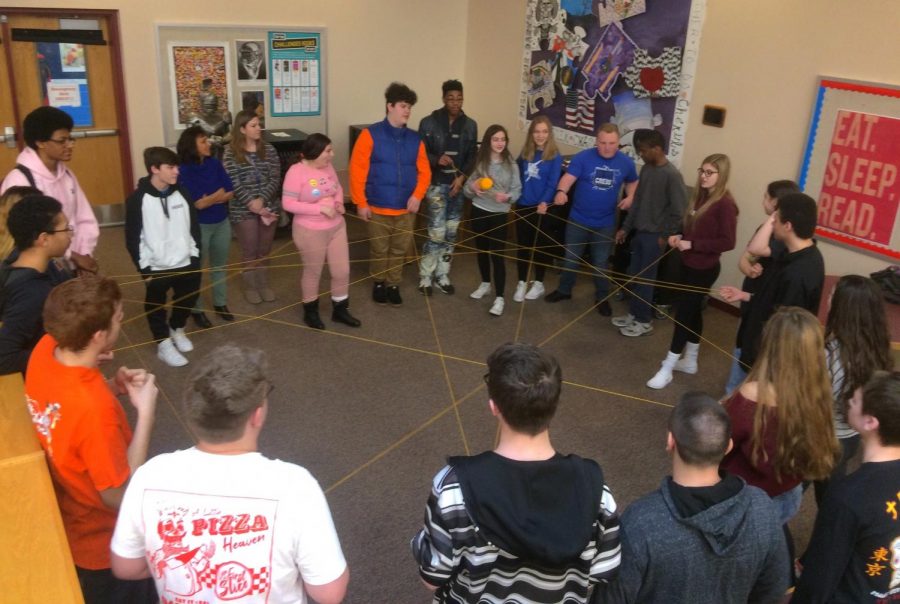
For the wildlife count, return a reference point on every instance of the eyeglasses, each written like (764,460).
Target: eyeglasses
(69,228)
(707,173)
(68,140)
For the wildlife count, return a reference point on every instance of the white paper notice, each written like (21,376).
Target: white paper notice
(64,94)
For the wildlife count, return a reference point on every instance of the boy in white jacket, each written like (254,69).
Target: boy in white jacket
(162,235)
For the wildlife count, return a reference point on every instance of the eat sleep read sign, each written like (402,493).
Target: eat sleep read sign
(852,165)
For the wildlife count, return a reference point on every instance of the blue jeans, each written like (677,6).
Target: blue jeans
(788,503)
(645,251)
(444,212)
(737,374)
(600,240)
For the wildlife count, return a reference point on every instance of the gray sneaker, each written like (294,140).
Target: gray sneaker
(637,329)
(623,321)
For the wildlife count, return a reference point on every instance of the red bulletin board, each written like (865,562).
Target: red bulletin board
(852,164)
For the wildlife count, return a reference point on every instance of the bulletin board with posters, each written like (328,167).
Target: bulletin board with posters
(628,62)
(209,73)
(851,164)
(296,82)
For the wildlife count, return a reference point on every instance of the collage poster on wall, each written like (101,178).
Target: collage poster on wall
(295,82)
(629,62)
(201,85)
(64,80)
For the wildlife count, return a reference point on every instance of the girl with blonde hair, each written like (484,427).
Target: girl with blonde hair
(709,230)
(781,416)
(540,166)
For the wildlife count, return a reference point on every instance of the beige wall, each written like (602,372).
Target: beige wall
(759,59)
(368,45)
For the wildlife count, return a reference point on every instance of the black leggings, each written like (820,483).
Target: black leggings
(491,242)
(689,305)
(532,237)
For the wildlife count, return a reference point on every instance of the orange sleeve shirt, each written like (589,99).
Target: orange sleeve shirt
(85,434)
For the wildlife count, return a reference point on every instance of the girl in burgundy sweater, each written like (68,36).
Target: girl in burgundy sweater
(709,229)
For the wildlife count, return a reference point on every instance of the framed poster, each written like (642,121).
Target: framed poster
(295,85)
(251,60)
(851,164)
(201,78)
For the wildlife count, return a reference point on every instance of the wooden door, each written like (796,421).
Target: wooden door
(9,125)
(102,158)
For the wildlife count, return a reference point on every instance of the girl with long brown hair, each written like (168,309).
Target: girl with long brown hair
(493,186)
(709,230)
(857,344)
(255,171)
(781,415)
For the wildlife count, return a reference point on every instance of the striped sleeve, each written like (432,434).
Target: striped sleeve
(445,515)
(835,365)
(608,557)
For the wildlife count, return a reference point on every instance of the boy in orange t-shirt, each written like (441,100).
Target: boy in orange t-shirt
(90,448)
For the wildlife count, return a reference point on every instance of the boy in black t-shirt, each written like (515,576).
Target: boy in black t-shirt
(854,552)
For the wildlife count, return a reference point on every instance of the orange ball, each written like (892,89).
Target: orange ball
(485,183)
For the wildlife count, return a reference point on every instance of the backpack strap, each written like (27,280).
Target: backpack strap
(27,172)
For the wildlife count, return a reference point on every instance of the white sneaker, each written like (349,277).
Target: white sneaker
(519,296)
(662,378)
(623,321)
(169,355)
(182,343)
(686,365)
(636,330)
(479,293)
(535,291)
(497,306)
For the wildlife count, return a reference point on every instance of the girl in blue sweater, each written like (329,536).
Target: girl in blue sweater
(540,166)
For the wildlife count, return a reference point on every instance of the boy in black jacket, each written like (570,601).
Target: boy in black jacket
(41,232)
(162,235)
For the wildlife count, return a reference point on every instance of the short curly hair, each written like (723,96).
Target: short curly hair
(40,124)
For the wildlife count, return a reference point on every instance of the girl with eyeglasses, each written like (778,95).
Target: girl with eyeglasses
(708,230)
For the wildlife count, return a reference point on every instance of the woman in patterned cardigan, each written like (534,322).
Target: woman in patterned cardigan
(255,172)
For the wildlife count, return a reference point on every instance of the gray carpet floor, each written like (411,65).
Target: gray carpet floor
(374,412)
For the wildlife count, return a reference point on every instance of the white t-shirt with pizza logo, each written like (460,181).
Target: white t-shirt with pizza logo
(232,528)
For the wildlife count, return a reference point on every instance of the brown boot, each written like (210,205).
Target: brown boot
(250,293)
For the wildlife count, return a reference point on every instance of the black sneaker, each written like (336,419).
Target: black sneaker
(556,296)
(445,287)
(201,320)
(223,313)
(604,309)
(425,290)
(379,293)
(662,311)
(393,295)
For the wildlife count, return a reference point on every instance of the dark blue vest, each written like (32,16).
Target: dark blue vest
(392,165)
